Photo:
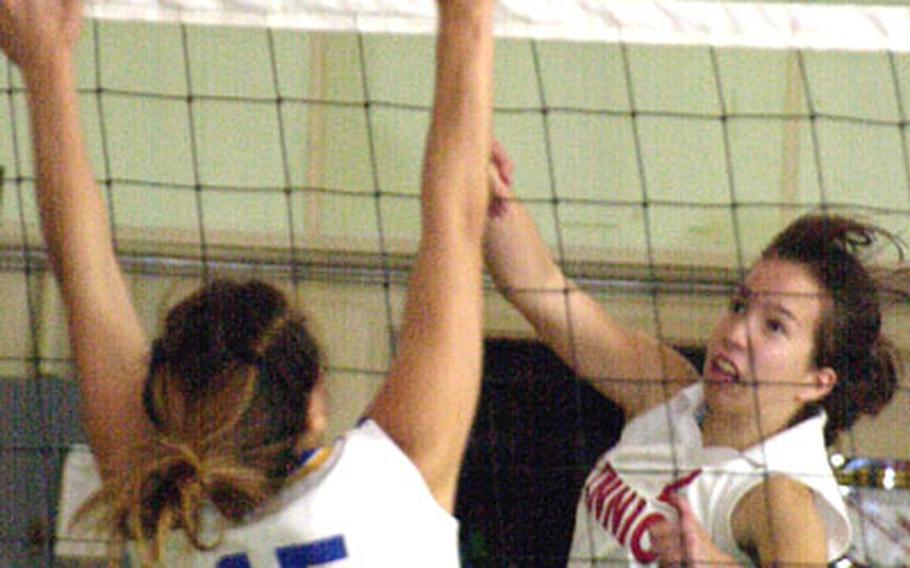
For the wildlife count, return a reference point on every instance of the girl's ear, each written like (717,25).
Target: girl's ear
(823,381)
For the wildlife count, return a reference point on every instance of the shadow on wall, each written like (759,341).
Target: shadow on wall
(39,419)
(537,434)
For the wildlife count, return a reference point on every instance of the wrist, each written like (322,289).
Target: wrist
(40,72)
(465,10)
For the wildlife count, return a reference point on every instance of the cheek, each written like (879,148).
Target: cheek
(780,361)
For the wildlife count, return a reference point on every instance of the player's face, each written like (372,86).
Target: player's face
(765,341)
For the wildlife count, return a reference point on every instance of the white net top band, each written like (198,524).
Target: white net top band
(672,22)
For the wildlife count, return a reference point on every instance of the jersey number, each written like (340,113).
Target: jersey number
(296,555)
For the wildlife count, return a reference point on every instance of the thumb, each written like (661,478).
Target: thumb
(684,508)
(688,521)
(504,165)
(690,527)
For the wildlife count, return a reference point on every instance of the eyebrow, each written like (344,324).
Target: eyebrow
(745,292)
(778,307)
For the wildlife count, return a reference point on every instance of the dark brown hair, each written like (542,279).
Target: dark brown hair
(227,392)
(849,337)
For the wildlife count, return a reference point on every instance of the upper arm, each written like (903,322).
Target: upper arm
(111,353)
(108,343)
(779,521)
(631,368)
(428,401)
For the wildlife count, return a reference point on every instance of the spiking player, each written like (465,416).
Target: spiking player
(729,468)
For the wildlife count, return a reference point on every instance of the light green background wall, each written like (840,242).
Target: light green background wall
(587,151)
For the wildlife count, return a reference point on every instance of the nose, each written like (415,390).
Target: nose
(736,331)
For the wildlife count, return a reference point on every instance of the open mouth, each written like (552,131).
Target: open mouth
(724,371)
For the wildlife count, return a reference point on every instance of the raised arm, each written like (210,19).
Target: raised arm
(428,402)
(107,340)
(624,364)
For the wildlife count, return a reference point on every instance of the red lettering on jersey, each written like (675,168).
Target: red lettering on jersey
(599,491)
(605,476)
(639,507)
(611,500)
(616,509)
(680,483)
(644,556)
(605,496)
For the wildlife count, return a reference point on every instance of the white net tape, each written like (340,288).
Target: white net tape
(756,25)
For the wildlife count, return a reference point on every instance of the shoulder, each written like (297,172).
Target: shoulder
(798,450)
(785,481)
(779,521)
(370,441)
(799,489)
(366,450)
(363,473)
(795,517)
(779,497)
(367,457)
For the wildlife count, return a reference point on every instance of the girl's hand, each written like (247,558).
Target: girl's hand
(39,33)
(500,180)
(684,541)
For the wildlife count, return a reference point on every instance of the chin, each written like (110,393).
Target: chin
(726,394)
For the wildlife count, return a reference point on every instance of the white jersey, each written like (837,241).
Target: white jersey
(661,451)
(360,502)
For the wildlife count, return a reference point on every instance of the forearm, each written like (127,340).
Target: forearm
(108,342)
(428,402)
(573,323)
(73,214)
(517,257)
(460,135)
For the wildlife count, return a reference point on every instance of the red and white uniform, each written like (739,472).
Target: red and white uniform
(661,451)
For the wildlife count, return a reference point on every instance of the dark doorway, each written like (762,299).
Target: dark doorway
(538,433)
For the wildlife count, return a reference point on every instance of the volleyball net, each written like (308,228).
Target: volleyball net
(658,145)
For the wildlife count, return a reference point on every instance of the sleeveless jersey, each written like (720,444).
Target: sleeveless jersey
(661,451)
(360,502)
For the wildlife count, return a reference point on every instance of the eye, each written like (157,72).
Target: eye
(775,325)
(738,305)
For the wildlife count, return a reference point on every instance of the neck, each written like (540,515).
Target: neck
(740,431)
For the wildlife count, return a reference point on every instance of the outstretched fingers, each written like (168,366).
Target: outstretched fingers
(667,542)
(505,167)
(501,178)
(684,540)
